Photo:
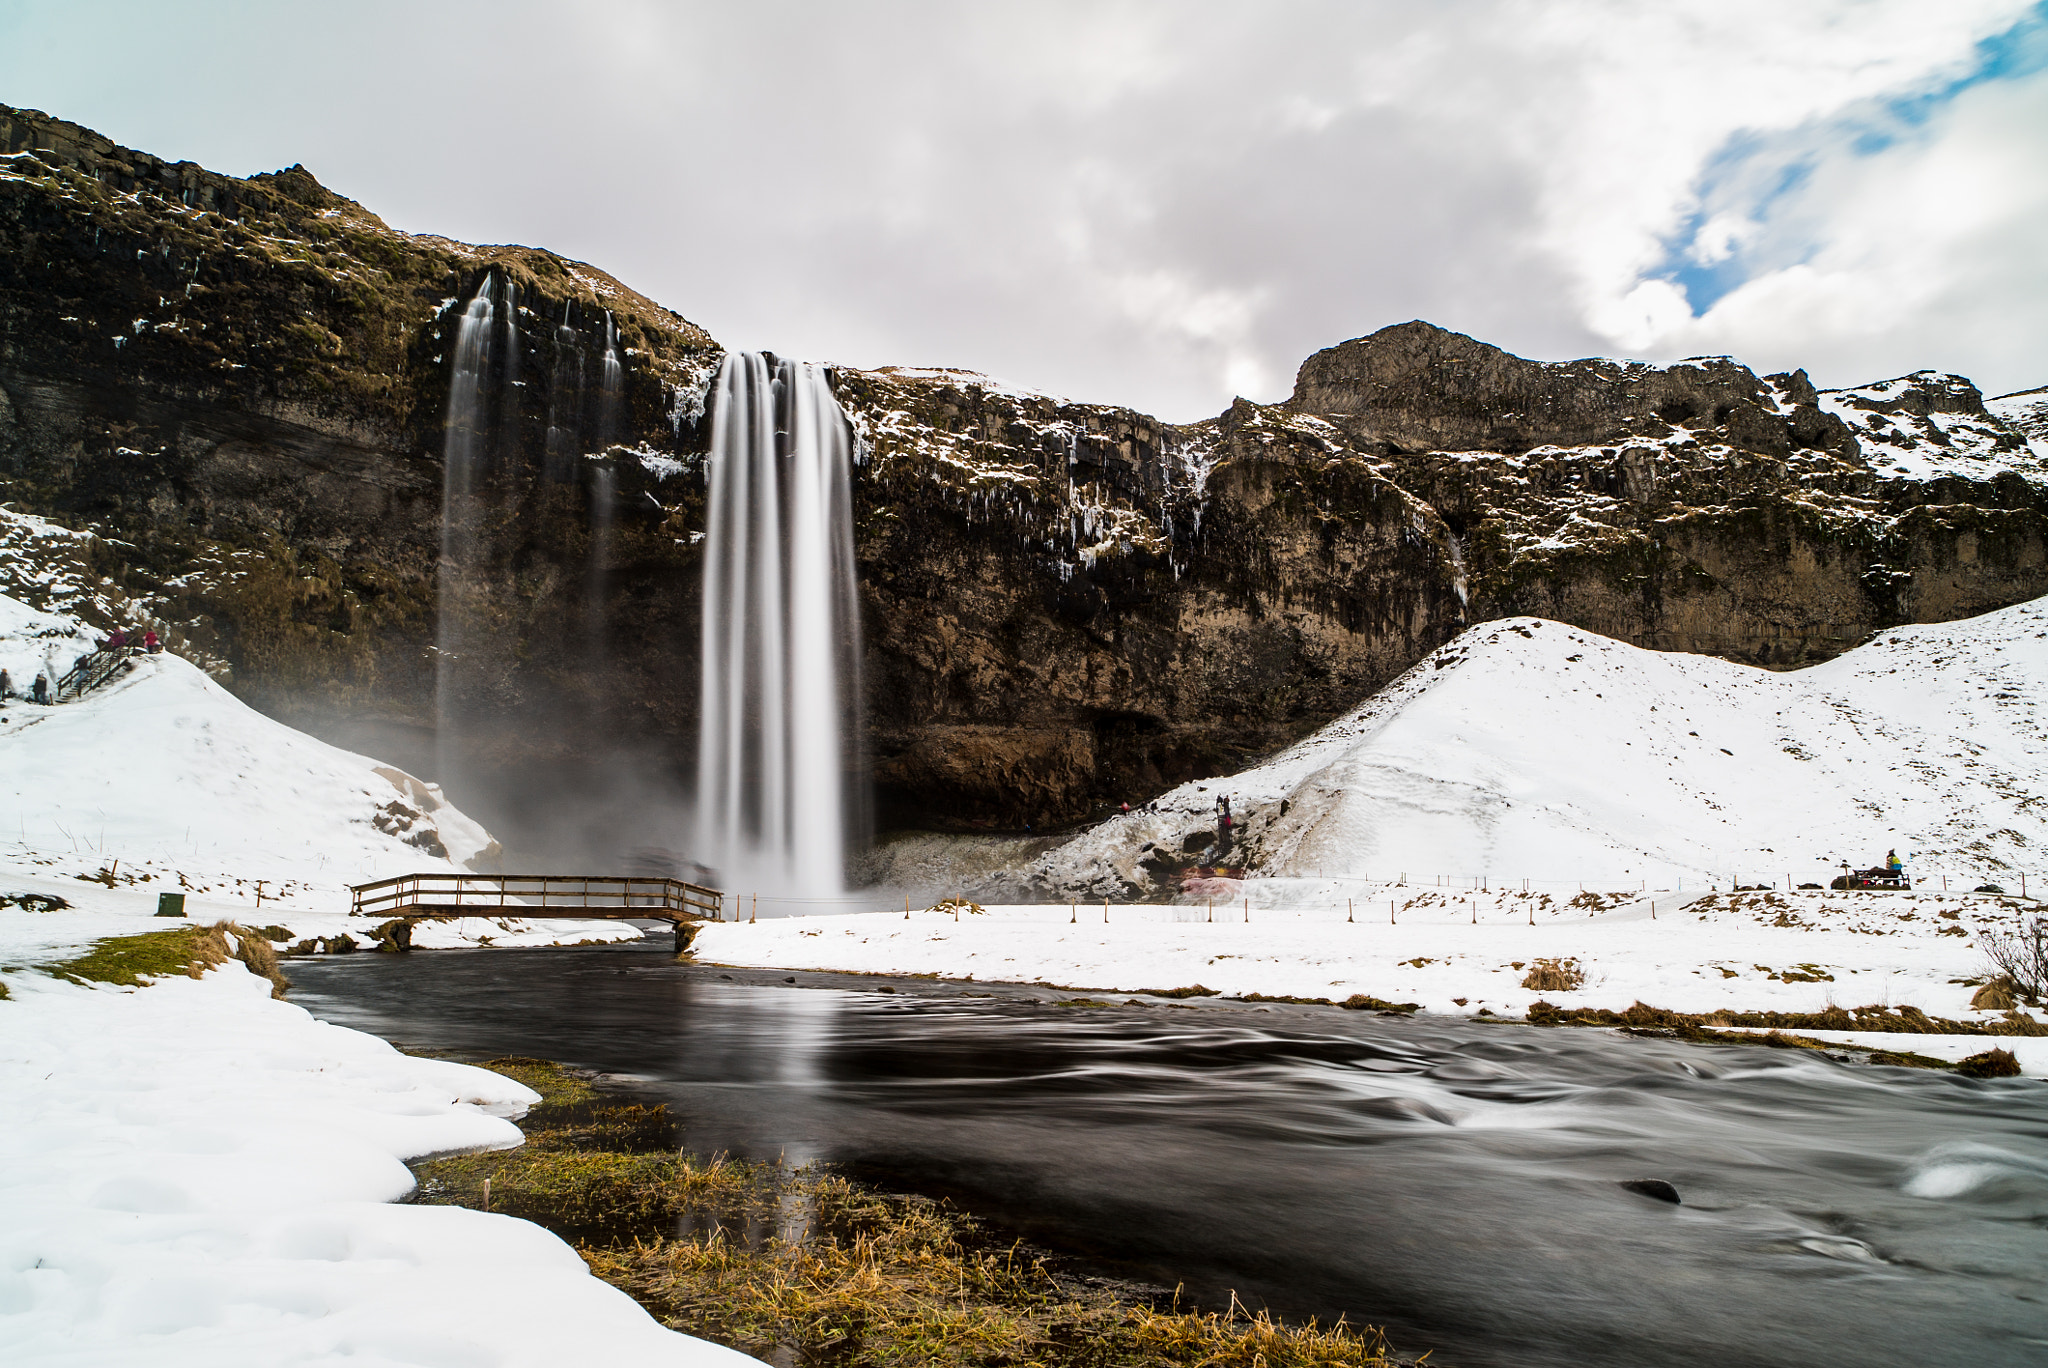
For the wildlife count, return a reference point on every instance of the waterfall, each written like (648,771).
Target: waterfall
(464,445)
(509,387)
(777,762)
(565,401)
(611,386)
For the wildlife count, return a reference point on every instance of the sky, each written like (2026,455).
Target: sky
(1163,205)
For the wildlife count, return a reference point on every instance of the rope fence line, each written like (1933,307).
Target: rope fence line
(1479,905)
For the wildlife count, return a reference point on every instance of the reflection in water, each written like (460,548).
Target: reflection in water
(1456,1182)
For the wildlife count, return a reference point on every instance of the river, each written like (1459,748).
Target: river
(1458,1183)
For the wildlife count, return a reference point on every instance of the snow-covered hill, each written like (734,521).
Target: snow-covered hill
(163,770)
(1529,750)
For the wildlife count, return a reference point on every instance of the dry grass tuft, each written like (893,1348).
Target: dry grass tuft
(1993,1063)
(1365,1002)
(258,954)
(1996,996)
(1554,976)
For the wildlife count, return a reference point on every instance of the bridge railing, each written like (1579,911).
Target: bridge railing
(540,895)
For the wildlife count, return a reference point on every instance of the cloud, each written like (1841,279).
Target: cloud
(1926,251)
(1162,204)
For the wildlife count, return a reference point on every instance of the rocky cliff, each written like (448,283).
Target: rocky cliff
(239,386)
(228,398)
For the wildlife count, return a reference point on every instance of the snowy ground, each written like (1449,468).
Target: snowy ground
(1694,952)
(193,1173)
(163,782)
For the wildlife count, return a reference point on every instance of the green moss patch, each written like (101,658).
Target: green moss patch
(132,961)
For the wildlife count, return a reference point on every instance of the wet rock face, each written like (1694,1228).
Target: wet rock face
(1069,606)
(240,385)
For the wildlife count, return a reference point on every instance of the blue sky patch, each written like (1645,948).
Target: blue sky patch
(1740,177)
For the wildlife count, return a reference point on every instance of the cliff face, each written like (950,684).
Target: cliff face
(240,387)
(1069,605)
(237,388)
(1698,506)
(1081,604)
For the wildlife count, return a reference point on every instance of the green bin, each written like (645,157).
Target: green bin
(170,904)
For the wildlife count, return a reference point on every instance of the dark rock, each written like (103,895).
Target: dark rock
(1655,1188)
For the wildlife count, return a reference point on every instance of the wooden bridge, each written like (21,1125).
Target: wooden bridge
(425,897)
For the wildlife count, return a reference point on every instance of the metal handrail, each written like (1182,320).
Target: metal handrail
(444,895)
(90,671)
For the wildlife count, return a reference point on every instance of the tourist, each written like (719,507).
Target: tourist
(6,685)
(118,641)
(39,692)
(151,644)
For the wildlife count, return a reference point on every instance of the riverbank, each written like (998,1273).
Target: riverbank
(1475,953)
(195,1173)
(797,1264)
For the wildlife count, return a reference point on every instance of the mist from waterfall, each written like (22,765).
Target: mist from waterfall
(779,782)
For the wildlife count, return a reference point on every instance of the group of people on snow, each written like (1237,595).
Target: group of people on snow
(120,641)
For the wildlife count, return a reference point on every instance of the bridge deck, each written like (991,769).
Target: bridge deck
(418,896)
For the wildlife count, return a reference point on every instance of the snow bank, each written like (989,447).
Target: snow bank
(163,764)
(1528,750)
(196,1174)
(2026,413)
(1536,791)
(1454,951)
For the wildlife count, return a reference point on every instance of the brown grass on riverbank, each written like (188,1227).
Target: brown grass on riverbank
(799,1262)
